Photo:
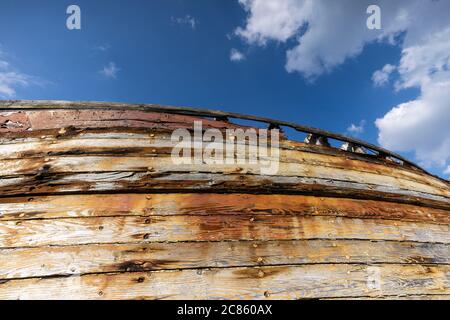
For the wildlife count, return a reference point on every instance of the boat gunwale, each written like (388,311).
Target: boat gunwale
(30,105)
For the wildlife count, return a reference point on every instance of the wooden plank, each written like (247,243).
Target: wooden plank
(70,105)
(137,141)
(281,282)
(160,144)
(151,182)
(64,165)
(35,120)
(72,260)
(32,233)
(101,205)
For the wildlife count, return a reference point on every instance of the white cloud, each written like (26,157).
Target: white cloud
(422,125)
(426,60)
(447,171)
(327,33)
(354,129)
(11,79)
(102,47)
(186,20)
(110,71)
(236,55)
(273,20)
(381,77)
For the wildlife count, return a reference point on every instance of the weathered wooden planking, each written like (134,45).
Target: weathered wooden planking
(161,145)
(32,233)
(71,260)
(15,105)
(338,160)
(152,182)
(281,282)
(120,163)
(36,120)
(142,141)
(65,206)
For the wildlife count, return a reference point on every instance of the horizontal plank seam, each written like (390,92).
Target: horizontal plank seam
(356,157)
(68,173)
(218,241)
(244,214)
(157,155)
(376,194)
(268,266)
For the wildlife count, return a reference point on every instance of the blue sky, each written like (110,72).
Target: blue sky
(178,53)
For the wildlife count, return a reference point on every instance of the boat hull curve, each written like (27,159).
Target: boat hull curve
(93,207)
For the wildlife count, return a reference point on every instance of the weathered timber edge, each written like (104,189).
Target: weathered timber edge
(58,104)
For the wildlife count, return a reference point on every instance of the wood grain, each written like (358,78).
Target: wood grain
(281,282)
(101,258)
(93,207)
(32,233)
(160,144)
(151,182)
(47,207)
(62,165)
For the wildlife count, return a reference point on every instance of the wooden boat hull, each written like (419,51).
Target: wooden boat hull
(92,207)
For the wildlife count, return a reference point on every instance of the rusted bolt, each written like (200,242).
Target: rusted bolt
(252,219)
(259,259)
(148,197)
(266,294)
(100,293)
(152,135)
(261,273)
(147,221)
(255,245)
